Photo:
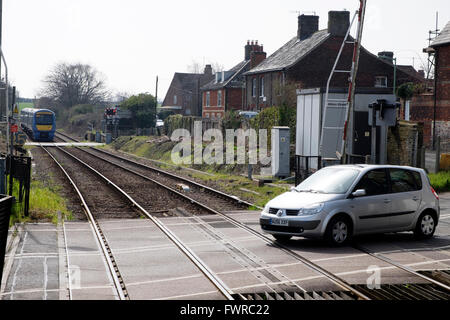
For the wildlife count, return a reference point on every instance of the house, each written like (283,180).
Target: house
(184,95)
(433,108)
(307,59)
(227,90)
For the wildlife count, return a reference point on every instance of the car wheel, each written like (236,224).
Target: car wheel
(339,231)
(426,226)
(282,237)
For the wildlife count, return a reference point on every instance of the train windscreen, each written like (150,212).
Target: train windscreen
(44,119)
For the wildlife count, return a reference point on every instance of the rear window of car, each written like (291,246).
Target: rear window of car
(405,180)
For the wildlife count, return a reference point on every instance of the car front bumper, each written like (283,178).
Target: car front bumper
(310,227)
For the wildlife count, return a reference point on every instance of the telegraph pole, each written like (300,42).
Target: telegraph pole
(156,98)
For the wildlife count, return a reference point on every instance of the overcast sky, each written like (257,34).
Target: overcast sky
(133,41)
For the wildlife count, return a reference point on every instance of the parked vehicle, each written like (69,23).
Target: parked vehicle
(248,114)
(159,123)
(39,124)
(339,202)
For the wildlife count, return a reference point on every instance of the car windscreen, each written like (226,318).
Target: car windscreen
(44,119)
(332,180)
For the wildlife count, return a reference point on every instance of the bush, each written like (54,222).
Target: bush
(231,120)
(142,107)
(274,117)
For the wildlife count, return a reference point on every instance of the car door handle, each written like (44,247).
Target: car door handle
(416,199)
(387,201)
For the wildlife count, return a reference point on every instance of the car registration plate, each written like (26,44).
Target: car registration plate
(279,222)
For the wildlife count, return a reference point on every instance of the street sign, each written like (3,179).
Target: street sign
(16,109)
(14,128)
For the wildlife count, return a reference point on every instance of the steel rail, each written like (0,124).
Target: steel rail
(174,176)
(112,266)
(312,265)
(381,257)
(218,283)
(338,281)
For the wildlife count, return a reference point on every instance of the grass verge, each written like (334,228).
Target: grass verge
(440,181)
(227,178)
(45,203)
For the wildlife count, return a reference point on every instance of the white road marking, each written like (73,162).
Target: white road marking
(18,267)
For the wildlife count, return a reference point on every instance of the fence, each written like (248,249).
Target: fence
(5,213)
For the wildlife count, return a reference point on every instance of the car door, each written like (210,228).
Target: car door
(372,210)
(406,186)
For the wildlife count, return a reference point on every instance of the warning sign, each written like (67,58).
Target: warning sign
(16,109)
(14,128)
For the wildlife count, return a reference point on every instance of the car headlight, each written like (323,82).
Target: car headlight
(311,210)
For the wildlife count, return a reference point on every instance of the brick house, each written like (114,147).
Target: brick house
(227,90)
(434,107)
(307,60)
(184,94)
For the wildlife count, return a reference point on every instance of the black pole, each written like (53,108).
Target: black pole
(1,23)
(435,98)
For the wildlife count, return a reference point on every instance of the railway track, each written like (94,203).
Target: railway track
(196,189)
(100,237)
(106,249)
(434,288)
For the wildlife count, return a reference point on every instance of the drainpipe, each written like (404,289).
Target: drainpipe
(395,76)
(436,57)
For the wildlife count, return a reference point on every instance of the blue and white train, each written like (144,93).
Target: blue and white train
(39,124)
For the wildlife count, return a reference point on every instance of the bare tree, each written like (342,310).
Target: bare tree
(217,67)
(121,96)
(195,67)
(74,84)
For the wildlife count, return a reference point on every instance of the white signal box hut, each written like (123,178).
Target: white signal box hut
(310,116)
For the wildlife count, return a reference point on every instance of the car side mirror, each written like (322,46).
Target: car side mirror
(359,193)
(292,189)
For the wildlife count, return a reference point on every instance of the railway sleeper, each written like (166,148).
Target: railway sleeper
(410,291)
(438,275)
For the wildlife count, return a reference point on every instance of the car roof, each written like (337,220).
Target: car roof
(367,167)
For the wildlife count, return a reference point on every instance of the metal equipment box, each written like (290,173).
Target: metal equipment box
(281,142)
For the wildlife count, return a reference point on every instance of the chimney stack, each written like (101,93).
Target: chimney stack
(208,70)
(386,56)
(338,23)
(421,73)
(253,48)
(307,26)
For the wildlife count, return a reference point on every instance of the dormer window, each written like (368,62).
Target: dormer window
(381,82)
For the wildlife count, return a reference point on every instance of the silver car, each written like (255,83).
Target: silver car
(339,202)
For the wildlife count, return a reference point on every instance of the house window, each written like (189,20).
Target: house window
(208,97)
(175,100)
(381,82)
(261,87)
(254,87)
(219,98)
(207,115)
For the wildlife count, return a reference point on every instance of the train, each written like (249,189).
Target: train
(39,124)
